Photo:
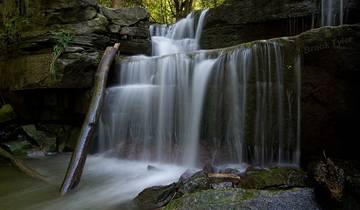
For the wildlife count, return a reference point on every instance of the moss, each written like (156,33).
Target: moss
(18,17)
(274,178)
(6,113)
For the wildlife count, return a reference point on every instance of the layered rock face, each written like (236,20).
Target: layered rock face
(67,37)
(24,66)
(242,21)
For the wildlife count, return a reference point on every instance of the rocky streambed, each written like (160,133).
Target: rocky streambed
(324,186)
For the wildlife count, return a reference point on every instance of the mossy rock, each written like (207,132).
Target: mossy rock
(6,113)
(274,178)
(298,198)
(197,182)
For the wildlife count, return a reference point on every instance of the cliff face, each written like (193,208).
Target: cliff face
(83,29)
(242,21)
(49,52)
(330,63)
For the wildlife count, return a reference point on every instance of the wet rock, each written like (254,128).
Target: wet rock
(274,178)
(155,197)
(187,174)
(6,113)
(197,182)
(298,198)
(17,147)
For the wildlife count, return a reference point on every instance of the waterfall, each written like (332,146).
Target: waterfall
(186,106)
(332,12)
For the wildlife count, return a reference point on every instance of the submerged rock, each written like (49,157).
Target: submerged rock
(153,168)
(298,198)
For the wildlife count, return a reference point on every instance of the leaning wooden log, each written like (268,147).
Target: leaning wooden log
(21,166)
(77,162)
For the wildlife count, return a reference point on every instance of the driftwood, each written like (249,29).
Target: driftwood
(19,164)
(77,162)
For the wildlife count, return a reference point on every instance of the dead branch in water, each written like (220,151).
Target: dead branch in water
(77,162)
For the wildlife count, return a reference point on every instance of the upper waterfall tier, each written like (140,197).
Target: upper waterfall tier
(332,12)
(183,36)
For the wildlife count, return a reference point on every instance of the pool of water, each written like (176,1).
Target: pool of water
(107,183)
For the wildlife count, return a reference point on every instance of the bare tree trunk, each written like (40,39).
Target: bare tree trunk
(77,162)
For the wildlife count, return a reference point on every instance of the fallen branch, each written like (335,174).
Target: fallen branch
(78,158)
(19,164)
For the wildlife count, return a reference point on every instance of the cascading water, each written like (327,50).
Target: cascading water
(332,12)
(189,107)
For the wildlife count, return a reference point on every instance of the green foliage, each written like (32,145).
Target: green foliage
(12,23)
(62,40)
(106,3)
(17,17)
(165,11)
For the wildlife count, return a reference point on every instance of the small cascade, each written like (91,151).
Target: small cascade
(332,12)
(183,106)
(184,36)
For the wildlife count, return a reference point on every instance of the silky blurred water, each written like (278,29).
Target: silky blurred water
(107,183)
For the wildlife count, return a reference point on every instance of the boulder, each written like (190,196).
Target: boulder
(298,198)
(155,197)
(197,182)
(46,141)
